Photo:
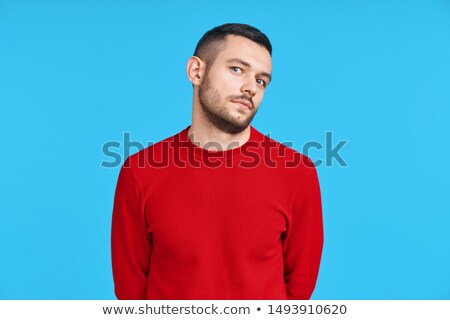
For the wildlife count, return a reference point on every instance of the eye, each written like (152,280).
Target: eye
(236,69)
(261,82)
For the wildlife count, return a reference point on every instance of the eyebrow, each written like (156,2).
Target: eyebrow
(248,65)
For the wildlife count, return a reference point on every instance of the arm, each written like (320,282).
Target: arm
(130,241)
(302,245)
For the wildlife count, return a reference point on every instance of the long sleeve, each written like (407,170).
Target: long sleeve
(176,235)
(130,241)
(302,245)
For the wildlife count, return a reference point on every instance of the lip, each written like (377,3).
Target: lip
(242,103)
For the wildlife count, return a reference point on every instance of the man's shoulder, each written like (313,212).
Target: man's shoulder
(282,151)
(156,152)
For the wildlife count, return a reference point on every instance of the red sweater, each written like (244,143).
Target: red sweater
(188,223)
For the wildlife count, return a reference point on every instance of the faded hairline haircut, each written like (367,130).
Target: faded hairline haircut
(213,41)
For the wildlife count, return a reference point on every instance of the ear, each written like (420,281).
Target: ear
(195,70)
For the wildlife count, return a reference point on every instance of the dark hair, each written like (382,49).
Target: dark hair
(207,47)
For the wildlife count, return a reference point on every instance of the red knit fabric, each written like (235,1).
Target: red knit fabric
(188,223)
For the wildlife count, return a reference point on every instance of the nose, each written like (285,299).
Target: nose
(249,87)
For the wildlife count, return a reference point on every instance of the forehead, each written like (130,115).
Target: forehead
(237,47)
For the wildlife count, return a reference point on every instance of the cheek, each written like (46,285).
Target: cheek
(209,96)
(258,98)
(231,86)
(223,85)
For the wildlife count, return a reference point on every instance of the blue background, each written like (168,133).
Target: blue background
(77,74)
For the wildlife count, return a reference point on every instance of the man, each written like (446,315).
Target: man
(219,211)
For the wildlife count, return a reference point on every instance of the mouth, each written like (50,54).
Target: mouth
(243,104)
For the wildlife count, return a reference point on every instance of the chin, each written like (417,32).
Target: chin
(241,126)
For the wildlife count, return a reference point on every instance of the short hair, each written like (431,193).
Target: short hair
(210,44)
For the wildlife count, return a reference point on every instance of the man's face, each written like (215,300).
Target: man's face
(234,85)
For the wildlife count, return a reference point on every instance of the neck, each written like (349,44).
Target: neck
(205,135)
